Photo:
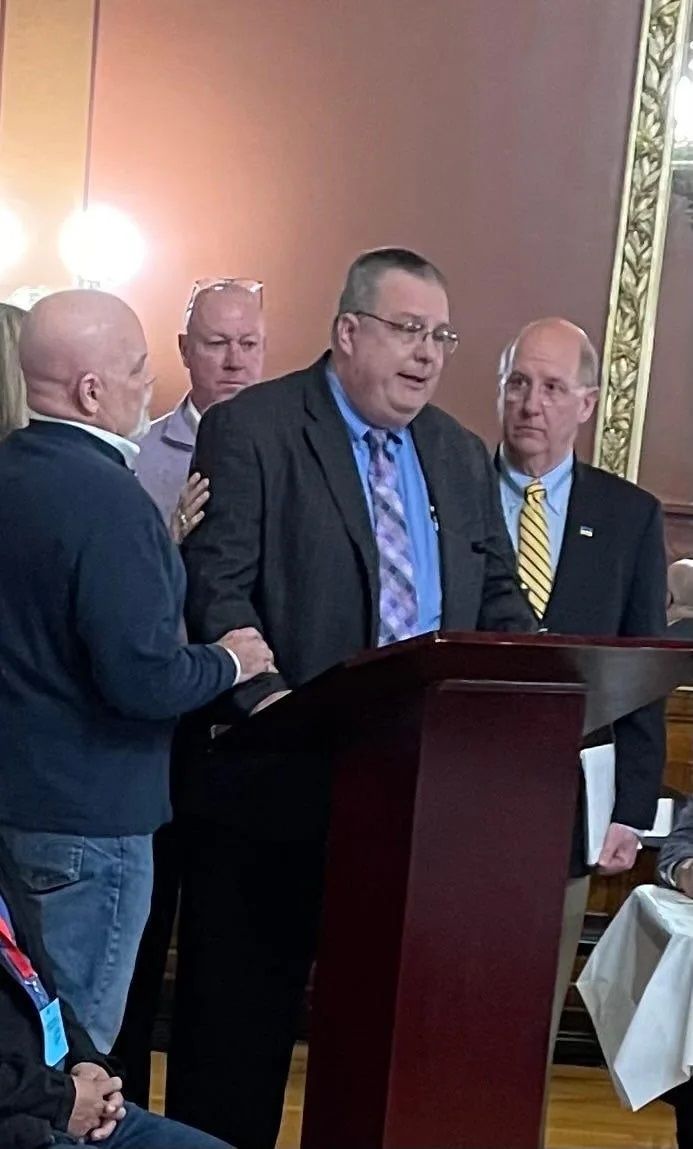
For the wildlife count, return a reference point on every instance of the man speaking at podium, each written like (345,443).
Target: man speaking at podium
(345,513)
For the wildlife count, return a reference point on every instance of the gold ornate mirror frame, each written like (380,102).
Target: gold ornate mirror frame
(640,239)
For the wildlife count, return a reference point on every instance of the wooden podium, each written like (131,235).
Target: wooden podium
(455,791)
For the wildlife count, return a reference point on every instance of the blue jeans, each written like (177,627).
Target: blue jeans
(93,895)
(142,1130)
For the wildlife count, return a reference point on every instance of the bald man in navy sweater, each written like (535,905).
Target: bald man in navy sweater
(94,671)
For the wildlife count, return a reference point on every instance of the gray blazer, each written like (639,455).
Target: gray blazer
(678,845)
(286,544)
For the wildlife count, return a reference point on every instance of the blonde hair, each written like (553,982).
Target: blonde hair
(13,406)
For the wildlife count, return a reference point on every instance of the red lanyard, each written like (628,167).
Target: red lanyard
(16,958)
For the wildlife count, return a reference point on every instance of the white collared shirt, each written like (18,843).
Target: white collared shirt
(127,448)
(192,414)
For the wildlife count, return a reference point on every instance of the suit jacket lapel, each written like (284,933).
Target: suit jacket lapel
(329,440)
(431,448)
(578,551)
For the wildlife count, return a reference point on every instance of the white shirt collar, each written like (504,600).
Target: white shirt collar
(193,414)
(127,448)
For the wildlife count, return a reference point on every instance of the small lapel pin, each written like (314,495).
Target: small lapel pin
(586,532)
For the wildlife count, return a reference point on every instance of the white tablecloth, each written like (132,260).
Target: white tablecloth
(638,988)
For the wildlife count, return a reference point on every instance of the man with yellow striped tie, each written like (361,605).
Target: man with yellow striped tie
(591,560)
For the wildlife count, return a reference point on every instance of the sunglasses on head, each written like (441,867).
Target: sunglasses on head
(254,286)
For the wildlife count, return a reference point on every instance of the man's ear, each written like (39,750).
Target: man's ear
(88,393)
(183,348)
(344,328)
(589,402)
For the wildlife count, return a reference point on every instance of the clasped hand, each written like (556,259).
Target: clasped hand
(99,1103)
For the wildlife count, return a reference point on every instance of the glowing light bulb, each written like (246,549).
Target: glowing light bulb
(101,246)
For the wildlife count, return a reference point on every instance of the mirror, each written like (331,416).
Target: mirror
(645,417)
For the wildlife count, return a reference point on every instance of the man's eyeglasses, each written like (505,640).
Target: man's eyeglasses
(252,285)
(413,331)
(551,392)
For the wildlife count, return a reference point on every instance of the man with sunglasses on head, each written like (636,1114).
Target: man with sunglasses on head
(346,512)
(223,349)
(590,555)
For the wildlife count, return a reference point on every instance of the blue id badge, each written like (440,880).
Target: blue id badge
(55,1046)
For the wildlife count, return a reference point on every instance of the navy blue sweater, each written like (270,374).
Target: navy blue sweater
(93,667)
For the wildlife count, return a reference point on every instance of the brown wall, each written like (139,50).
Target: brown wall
(46,56)
(278,139)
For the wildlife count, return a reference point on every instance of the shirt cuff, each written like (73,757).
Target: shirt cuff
(639,834)
(236,662)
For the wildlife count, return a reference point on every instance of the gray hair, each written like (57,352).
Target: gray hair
(364,275)
(588,368)
(13,405)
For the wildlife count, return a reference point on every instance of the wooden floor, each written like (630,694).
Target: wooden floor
(583,1111)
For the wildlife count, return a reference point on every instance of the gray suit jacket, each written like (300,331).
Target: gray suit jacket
(678,845)
(287,546)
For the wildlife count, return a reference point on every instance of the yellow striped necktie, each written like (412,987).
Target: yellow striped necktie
(534,552)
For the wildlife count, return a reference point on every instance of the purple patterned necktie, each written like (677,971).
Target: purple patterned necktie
(398,605)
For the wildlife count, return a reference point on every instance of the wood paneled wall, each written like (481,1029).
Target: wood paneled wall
(607,895)
(678,523)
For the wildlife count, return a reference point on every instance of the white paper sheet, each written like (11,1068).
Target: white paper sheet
(599,769)
(664,822)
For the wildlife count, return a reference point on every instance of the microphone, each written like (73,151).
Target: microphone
(482,548)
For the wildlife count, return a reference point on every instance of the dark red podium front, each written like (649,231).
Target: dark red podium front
(456,782)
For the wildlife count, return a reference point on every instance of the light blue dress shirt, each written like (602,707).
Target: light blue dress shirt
(558,484)
(420,517)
